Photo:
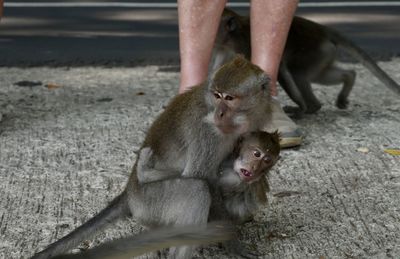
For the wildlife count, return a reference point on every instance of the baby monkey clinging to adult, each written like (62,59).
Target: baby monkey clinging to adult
(242,178)
(242,181)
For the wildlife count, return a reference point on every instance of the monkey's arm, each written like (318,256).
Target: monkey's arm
(146,172)
(230,182)
(289,85)
(236,194)
(242,200)
(205,155)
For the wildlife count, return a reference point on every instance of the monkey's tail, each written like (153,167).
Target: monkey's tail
(117,208)
(157,239)
(364,58)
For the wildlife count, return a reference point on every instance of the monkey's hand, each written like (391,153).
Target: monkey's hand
(145,160)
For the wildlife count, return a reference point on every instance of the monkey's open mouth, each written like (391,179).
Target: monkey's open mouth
(245,173)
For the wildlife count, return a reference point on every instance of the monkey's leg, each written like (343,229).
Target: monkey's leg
(176,202)
(304,85)
(308,66)
(288,84)
(146,172)
(335,75)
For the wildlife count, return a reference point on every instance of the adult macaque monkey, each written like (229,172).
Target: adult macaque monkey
(242,182)
(309,57)
(243,187)
(196,131)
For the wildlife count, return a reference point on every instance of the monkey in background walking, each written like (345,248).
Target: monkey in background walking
(193,135)
(309,57)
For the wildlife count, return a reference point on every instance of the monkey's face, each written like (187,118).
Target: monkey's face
(235,93)
(226,116)
(255,157)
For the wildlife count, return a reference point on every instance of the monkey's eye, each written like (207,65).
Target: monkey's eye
(257,153)
(267,159)
(229,98)
(217,95)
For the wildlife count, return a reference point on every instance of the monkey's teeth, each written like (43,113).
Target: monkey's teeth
(246,173)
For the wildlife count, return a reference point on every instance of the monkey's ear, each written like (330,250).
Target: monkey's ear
(229,20)
(231,24)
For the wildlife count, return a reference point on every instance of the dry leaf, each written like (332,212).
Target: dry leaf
(52,86)
(363,150)
(395,152)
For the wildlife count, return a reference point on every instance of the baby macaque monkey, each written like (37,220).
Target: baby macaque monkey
(309,57)
(242,178)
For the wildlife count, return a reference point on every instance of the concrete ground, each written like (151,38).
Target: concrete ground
(67,146)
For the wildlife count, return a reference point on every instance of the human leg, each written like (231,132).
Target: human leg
(198,25)
(270,23)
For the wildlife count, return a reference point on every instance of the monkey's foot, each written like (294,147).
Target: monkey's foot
(290,134)
(342,103)
(293,112)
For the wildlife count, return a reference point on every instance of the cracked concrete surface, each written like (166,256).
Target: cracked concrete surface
(66,150)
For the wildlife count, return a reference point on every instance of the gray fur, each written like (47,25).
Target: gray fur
(239,197)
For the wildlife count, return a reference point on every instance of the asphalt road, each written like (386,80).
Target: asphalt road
(135,36)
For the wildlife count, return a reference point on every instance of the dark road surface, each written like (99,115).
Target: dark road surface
(135,36)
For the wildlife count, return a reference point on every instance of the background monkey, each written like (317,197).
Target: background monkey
(309,57)
(195,132)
